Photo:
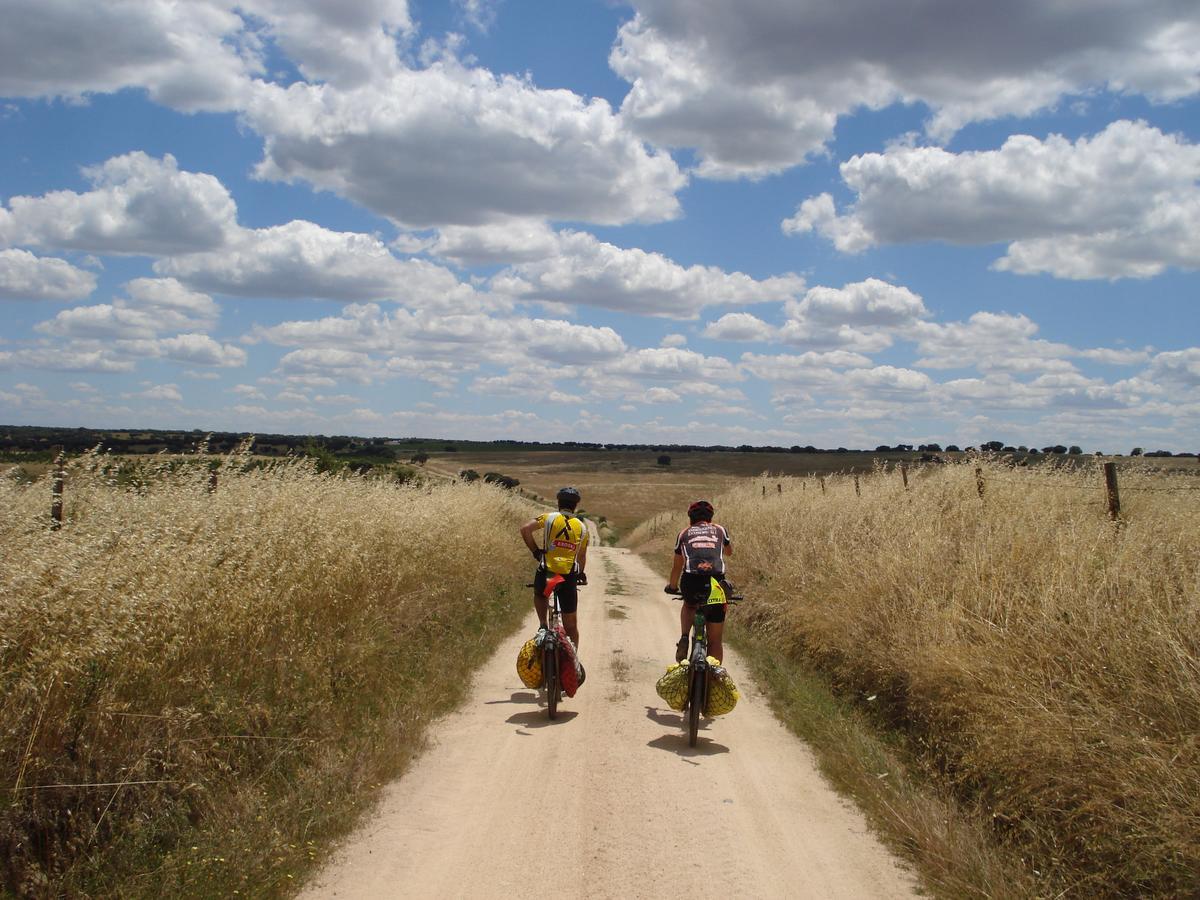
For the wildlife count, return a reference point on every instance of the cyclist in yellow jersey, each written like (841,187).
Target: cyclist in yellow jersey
(563,552)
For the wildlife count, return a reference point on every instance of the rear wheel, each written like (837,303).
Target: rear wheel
(550,667)
(695,704)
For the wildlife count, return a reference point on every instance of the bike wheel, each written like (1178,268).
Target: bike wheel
(695,705)
(550,667)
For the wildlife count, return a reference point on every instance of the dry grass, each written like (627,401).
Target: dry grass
(196,689)
(1044,661)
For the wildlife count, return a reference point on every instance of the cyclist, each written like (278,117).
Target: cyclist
(700,553)
(565,540)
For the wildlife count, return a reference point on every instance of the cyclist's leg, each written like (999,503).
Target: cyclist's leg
(695,591)
(714,616)
(568,603)
(540,604)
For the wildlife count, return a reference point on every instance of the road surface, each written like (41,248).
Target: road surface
(609,800)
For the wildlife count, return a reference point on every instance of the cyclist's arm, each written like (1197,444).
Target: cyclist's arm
(527,531)
(582,560)
(676,571)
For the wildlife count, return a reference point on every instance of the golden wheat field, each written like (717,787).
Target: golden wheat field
(199,688)
(1044,659)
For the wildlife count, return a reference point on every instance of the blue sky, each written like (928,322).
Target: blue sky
(771,222)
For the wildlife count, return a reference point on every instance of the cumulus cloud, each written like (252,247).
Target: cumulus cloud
(302,260)
(137,205)
(1124,203)
(452,145)
(758,86)
(739,327)
(154,306)
(590,272)
(24,276)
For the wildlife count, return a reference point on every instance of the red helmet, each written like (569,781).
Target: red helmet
(700,511)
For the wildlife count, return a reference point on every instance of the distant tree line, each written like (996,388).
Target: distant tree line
(37,440)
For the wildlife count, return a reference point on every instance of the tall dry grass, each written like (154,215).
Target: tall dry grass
(196,687)
(1046,661)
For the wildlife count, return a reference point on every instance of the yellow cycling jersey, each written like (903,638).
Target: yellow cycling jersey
(564,537)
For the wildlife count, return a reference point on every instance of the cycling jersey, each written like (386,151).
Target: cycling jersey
(564,538)
(701,547)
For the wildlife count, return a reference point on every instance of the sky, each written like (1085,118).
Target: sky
(770,222)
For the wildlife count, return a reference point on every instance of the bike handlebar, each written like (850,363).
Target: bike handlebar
(732,598)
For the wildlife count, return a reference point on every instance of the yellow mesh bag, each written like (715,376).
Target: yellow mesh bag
(673,686)
(722,692)
(529,664)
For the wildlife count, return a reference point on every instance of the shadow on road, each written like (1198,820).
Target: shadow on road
(676,741)
(539,719)
(518,697)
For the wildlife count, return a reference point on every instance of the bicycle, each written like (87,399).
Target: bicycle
(550,643)
(698,667)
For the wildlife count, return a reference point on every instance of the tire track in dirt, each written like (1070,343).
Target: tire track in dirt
(609,800)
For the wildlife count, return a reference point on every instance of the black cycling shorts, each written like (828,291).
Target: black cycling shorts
(695,588)
(568,593)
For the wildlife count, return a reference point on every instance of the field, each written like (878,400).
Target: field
(198,689)
(1042,660)
(627,487)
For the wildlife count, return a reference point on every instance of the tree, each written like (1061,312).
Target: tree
(419,458)
(1075,450)
(664,460)
(468,475)
(992,446)
(1136,451)
(952,448)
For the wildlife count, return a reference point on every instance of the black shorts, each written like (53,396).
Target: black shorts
(568,593)
(695,588)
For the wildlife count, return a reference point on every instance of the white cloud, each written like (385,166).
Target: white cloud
(739,327)
(758,86)
(24,276)
(510,241)
(673,340)
(169,392)
(187,55)
(192,349)
(138,205)
(155,306)
(590,272)
(247,392)
(1125,203)
(302,260)
(673,364)
(451,145)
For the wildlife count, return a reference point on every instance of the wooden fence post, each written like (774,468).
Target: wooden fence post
(1110,486)
(904,476)
(857,491)
(764,487)
(56,488)
(821,478)
(979,481)
(779,487)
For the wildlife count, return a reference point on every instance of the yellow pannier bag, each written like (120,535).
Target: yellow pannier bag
(722,692)
(529,664)
(673,686)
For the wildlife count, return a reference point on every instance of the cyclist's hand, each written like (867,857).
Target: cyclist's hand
(671,589)
(581,578)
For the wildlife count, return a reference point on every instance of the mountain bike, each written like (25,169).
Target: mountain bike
(549,643)
(698,667)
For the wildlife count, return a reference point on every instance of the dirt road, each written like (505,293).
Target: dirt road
(609,800)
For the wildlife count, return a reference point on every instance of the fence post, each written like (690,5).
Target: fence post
(779,487)
(979,481)
(857,491)
(1110,485)
(56,488)
(904,476)
(821,478)
(212,481)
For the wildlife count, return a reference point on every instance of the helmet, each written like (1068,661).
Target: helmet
(568,497)
(700,510)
